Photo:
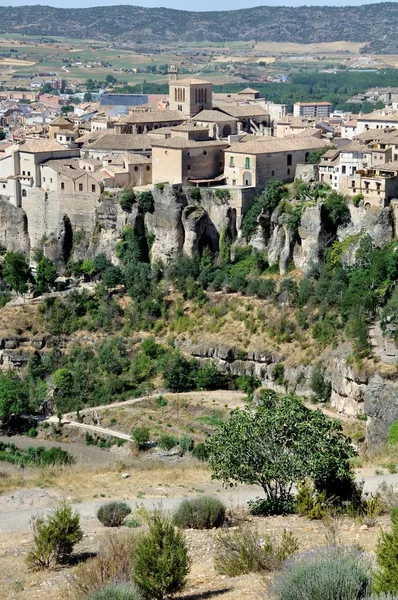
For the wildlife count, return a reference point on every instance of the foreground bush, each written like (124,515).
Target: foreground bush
(243,551)
(330,573)
(112,565)
(161,562)
(284,505)
(167,442)
(116,592)
(386,579)
(113,513)
(54,538)
(140,437)
(200,513)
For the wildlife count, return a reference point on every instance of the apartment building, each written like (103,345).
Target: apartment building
(312,109)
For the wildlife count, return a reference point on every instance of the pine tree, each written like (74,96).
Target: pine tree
(161,561)
(386,580)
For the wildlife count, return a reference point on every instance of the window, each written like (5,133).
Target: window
(204,152)
(220,164)
(29,173)
(272,173)
(188,167)
(23,173)
(343,169)
(4,186)
(80,187)
(148,168)
(135,168)
(93,187)
(247,163)
(62,185)
(353,184)
(51,179)
(24,193)
(231,161)
(378,186)
(288,171)
(289,160)
(44,179)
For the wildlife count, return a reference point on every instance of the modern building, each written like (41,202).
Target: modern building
(312,109)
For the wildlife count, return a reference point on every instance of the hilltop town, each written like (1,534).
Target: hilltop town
(198,309)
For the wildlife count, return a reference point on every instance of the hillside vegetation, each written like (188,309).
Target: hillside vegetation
(368,23)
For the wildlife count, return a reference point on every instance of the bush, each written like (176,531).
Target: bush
(54,537)
(332,572)
(200,452)
(284,505)
(127,199)
(140,437)
(321,388)
(113,513)
(386,579)
(200,513)
(112,565)
(393,433)
(116,592)
(167,442)
(186,444)
(309,503)
(243,551)
(161,562)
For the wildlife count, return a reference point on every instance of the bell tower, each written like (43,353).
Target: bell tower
(173,73)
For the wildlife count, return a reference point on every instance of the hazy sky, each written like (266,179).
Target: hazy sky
(184,5)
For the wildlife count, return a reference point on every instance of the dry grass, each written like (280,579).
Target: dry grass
(320,48)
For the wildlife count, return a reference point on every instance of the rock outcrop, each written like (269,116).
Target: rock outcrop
(381,407)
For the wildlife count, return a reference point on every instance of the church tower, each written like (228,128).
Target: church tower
(173,73)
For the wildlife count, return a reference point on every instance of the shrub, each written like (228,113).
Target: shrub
(200,513)
(140,437)
(321,388)
(161,562)
(242,551)
(116,592)
(194,193)
(167,442)
(127,199)
(112,564)
(332,572)
(200,452)
(284,505)
(386,579)
(38,457)
(278,373)
(187,443)
(54,537)
(113,513)
(309,503)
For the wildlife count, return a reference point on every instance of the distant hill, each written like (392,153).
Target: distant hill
(373,23)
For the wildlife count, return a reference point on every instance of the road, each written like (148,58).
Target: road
(20,519)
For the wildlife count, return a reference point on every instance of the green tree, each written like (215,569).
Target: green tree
(127,199)
(278,443)
(46,275)
(265,203)
(386,579)
(2,135)
(336,208)
(161,561)
(87,97)
(14,397)
(16,271)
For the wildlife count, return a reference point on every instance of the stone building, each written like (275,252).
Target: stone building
(144,121)
(219,124)
(188,156)
(58,125)
(190,96)
(254,162)
(108,143)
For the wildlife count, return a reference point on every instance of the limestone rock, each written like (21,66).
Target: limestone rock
(308,250)
(165,224)
(194,220)
(381,406)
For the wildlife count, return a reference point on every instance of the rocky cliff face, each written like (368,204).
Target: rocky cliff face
(381,406)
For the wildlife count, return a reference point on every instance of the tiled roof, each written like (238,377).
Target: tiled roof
(356,147)
(153,116)
(213,116)
(110,141)
(249,91)
(266,145)
(68,167)
(135,159)
(246,110)
(179,143)
(60,120)
(189,127)
(40,145)
(388,118)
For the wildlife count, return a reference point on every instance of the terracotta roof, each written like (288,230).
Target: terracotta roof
(246,110)
(389,118)
(179,143)
(153,116)
(370,134)
(39,145)
(68,167)
(356,147)
(352,123)
(267,145)
(135,159)
(213,116)
(248,91)
(60,120)
(111,141)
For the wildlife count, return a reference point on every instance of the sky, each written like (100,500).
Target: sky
(184,5)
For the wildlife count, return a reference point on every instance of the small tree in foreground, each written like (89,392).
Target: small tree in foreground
(277,444)
(161,561)
(386,580)
(113,513)
(54,537)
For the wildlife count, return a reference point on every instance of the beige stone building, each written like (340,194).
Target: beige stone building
(109,143)
(190,96)
(254,162)
(188,156)
(59,124)
(219,124)
(144,121)
(66,176)
(378,185)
